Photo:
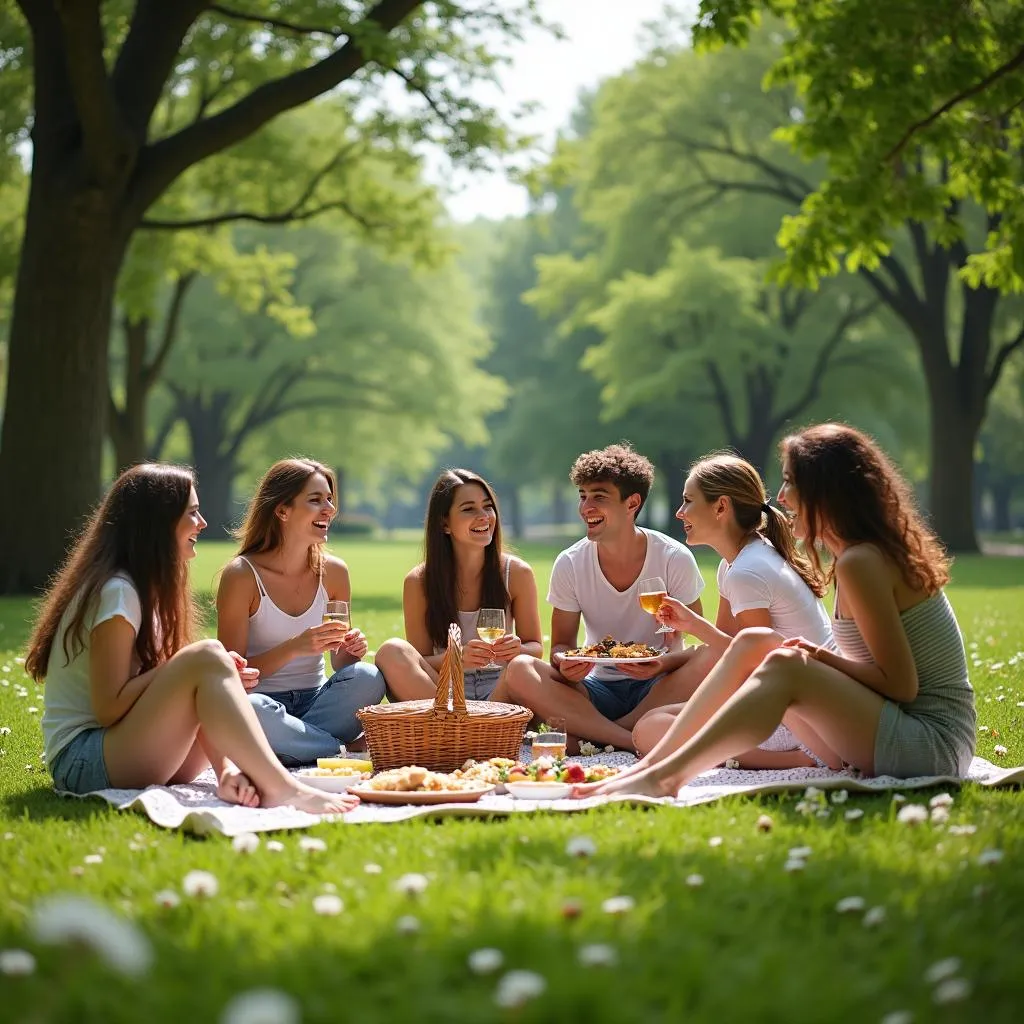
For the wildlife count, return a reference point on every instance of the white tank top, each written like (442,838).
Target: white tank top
(467,620)
(269,627)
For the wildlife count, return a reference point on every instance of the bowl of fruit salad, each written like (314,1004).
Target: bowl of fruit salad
(548,779)
(336,774)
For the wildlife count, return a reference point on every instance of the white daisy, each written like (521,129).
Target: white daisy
(372,869)
(940,814)
(794,864)
(581,846)
(715,841)
(840,796)
(999,750)
(694,880)
(874,917)
(801,852)
(519,987)
(942,969)
(77,919)
(312,844)
(618,905)
(898,1017)
(328,904)
(987,857)
(274,846)
(247,842)
(764,823)
(93,858)
(853,814)
(167,898)
(912,814)
(952,990)
(941,800)
(412,884)
(850,904)
(261,1006)
(199,884)
(597,954)
(407,925)
(485,961)
(16,962)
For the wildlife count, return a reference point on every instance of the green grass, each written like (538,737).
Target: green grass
(753,943)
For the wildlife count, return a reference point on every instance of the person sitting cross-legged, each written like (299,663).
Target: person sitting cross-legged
(598,580)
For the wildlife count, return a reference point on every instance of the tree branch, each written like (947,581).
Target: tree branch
(722,400)
(280,23)
(93,97)
(151,372)
(1002,354)
(155,450)
(164,161)
(1012,64)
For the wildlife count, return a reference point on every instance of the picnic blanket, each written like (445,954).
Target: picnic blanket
(195,808)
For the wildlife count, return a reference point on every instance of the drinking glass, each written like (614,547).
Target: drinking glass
(337,611)
(550,742)
(652,592)
(490,626)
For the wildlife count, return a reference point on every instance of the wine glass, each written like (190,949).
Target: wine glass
(338,611)
(490,626)
(652,592)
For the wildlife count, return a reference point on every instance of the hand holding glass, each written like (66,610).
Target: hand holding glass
(652,592)
(338,612)
(490,627)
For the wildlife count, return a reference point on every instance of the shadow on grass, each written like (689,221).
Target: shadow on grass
(43,804)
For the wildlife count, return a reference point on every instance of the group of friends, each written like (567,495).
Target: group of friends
(881,684)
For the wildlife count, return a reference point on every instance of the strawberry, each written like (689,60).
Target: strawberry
(575,773)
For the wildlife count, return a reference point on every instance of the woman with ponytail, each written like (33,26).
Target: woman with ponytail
(763,580)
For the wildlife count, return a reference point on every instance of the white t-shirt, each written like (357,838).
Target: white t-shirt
(759,577)
(67,695)
(579,585)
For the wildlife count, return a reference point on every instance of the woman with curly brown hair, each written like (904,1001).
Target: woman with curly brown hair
(895,699)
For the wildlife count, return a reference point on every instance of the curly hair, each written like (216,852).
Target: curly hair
(618,464)
(849,486)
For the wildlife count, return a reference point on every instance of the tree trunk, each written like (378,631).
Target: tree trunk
(514,512)
(215,470)
(339,497)
(53,428)
(127,424)
(953,437)
(1002,497)
(559,509)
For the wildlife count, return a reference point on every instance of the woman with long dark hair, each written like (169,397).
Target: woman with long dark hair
(895,698)
(130,700)
(763,581)
(271,606)
(464,569)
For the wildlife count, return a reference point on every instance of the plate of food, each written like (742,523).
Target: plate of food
(336,774)
(610,651)
(416,785)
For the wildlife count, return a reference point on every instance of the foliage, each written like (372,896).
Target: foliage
(918,107)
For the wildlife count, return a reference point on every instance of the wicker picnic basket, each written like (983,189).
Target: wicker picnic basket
(430,734)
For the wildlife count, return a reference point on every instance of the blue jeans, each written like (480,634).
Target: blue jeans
(303,725)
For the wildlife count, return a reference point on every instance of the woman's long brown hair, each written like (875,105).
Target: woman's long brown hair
(440,580)
(723,474)
(848,486)
(281,485)
(132,531)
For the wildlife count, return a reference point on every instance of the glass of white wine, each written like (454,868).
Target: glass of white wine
(338,611)
(490,627)
(652,592)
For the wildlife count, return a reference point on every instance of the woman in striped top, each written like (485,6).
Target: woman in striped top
(895,699)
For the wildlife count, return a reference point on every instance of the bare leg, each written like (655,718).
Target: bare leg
(200,684)
(232,785)
(535,684)
(842,711)
(676,687)
(406,673)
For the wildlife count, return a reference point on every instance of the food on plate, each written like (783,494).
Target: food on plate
(344,765)
(492,772)
(544,769)
(414,779)
(609,647)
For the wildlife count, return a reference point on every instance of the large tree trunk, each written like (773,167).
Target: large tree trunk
(53,427)
(513,512)
(215,471)
(1002,498)
(953,437)
(127,423)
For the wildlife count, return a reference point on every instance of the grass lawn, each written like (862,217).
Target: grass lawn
(753,942)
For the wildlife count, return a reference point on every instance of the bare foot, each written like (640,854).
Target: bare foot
(643,783)
(308,799)
(235,788)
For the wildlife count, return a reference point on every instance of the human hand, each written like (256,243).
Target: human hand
(574,669)
(507,648)
(327,636)
(250,676)
(476,654)
(642,669)
(676,615)
(800,644)
(355,644)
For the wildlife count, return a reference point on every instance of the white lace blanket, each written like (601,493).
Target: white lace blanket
(195,808)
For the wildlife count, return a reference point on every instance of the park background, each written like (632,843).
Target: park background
(424,256)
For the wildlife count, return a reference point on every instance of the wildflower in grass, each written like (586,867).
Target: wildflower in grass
(942,969)
(485,961)
(813,793)
(853,814)
(694,880)
(8,835)
(840,796)
(898,798)
(407,925)
(312,844)
(962,830)
(328,904)
(274,846)
(898,1017)
(597,954)
(412,884)
(802,852)
(715,841)
(261,1006)
(982,728)
(588,749)
(912,814)
(372,869)
(941,800)
(77,919)
(247,842)
(167,898)
(618,905)
(989,857)
(32,710)
(952,990)
(850,904)
(999,750)
(874,917)
(5,730)
(16,962)
(571,909)
(93,858)
(794,864)
(519,987)
(940,815)
(199,884)
(764,823)
(581,846)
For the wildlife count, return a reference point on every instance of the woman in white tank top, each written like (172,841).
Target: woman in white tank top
(463,571)
(763,580)
(271,603)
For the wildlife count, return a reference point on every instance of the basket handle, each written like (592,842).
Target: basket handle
(451,673)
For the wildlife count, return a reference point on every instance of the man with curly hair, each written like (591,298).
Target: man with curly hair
(597,579)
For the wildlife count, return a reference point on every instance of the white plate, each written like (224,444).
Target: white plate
(539,790)
(328,783)
(615,661)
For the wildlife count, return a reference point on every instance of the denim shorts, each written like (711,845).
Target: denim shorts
(79,768)
(480,683)
(616,698)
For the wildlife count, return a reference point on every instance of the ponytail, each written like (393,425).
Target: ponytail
(777,532)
